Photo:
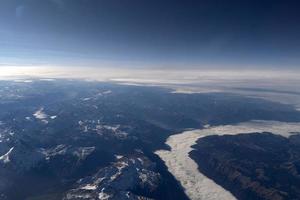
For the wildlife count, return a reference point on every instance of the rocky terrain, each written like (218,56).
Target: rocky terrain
(132,177)
(59,136)
(252,166)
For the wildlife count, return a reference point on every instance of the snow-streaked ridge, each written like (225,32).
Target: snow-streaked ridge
(5,158)
(196,185)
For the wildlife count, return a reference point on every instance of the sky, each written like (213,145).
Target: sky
(151,33)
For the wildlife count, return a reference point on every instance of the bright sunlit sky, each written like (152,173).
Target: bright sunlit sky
(197,34)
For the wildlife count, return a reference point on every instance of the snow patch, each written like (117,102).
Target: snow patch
(57,150)
(143,177)
(89,187)
(83,152)
(103,195)
(119,156)
(5,158)
(41,115)
(206,126)
(120,166)
(141,160)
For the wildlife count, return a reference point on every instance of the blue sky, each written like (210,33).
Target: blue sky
(153,33)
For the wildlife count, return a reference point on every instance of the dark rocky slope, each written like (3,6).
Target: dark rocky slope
(252,166)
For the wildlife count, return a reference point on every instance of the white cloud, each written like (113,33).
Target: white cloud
(153,76)
(181,81)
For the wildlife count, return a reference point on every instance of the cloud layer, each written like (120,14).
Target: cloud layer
(274,85)
(196,185)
